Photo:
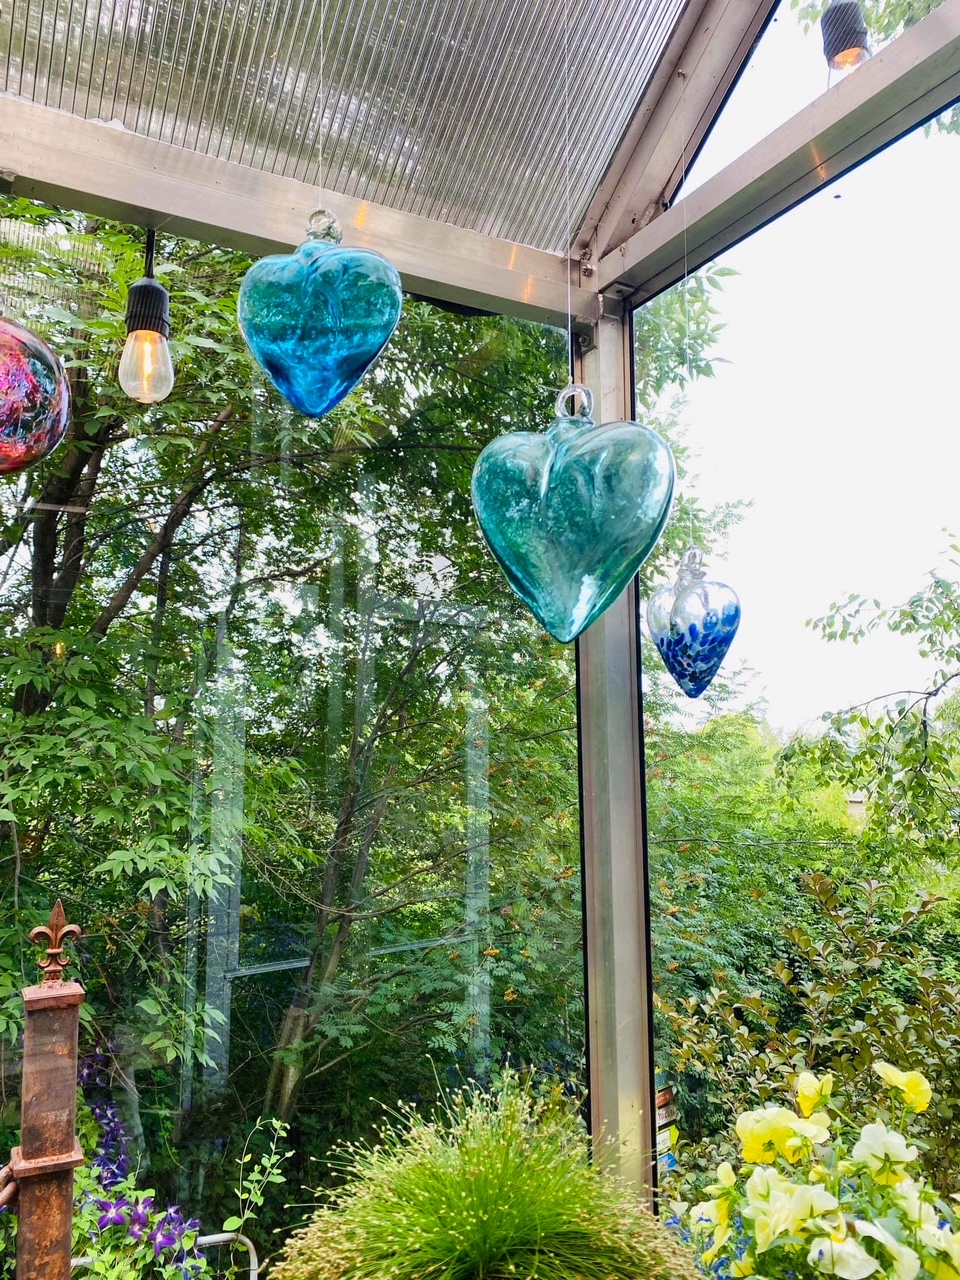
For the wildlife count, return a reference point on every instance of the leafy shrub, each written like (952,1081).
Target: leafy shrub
(861,990)
(500,1185)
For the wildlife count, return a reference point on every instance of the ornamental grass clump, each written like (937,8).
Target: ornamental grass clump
(499,1187)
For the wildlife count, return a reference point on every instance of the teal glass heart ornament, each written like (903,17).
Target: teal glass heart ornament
(571,514)
(317,319)
(693,623)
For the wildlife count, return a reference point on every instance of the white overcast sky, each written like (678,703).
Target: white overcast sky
(837,412)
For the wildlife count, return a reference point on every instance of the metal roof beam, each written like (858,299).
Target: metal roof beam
(706,53)
(112,172)
(913,79)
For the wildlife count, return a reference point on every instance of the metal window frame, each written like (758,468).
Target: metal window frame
(53,155)
(913,79)
(617,954)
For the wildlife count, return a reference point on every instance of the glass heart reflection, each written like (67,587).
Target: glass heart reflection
(570,515)
(693,623)
(34,398)
(317,319)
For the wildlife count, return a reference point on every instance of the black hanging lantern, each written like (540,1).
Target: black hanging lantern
(844,35)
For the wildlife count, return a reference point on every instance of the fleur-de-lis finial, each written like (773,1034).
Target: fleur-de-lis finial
(54,934)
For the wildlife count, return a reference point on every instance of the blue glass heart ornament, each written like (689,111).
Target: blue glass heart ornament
(317,319)
(571,514)
(693,623)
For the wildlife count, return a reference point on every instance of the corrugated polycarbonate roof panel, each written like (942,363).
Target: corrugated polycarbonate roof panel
(454,109)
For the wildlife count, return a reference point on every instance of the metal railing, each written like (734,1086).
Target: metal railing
(203,1242)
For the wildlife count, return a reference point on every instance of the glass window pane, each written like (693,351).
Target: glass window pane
(276,729)
(806,799)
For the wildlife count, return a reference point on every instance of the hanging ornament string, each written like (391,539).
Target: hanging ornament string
(681,74)
(566,175)
(692,621)
(317,319)
(323,102)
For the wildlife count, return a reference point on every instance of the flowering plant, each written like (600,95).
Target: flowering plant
(123,1233)
(816,1196)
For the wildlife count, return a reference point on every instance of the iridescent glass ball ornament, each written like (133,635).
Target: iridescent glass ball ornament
(317,319)
(693,623)
(34,398)
(571,514)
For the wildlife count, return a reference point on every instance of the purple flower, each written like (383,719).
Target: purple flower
(91,1072)
(140,1217)
(114,1213)
(168,1232)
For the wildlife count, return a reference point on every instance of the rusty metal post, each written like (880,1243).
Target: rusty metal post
(49,1152)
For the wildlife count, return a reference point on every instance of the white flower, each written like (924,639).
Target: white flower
(884,1152)
(917,1211)
(844,1258)
(906,1262)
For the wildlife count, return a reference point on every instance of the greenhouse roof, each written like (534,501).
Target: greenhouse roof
(460,112)
(476,142)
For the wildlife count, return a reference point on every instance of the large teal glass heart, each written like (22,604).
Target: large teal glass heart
(571,515)
(317,319)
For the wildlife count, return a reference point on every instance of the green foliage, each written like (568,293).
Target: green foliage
(257,1173)
(496,1186)
(728,840)
(859,986)
(900,750)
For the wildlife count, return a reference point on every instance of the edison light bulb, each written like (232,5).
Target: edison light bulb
(849,59)
(146,369)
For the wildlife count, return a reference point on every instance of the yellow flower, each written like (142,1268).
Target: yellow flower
(914,1086)
(761,1132)
(726,1178)
(763,1184)
(779,1207)
(742,1266)
(811,1092)
(772,1130)
(805,1132)
(713,1213)
(720,1238)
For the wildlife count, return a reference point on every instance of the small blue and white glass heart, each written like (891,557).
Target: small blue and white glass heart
(693,622)
(318,318)
(570,514)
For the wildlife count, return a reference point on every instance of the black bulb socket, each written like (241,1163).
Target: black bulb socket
(843,27)
(148,307)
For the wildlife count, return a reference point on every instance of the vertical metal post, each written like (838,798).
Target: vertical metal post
(477,913)
(616,910)
(43,1164)
(226,858)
